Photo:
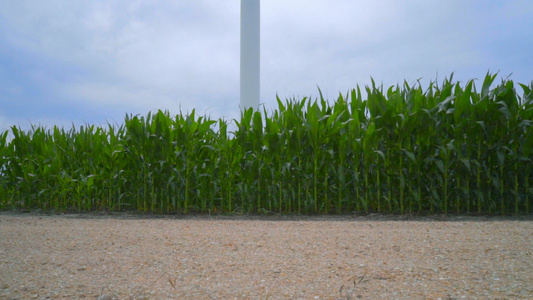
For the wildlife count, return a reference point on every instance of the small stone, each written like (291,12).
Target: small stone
(106,297)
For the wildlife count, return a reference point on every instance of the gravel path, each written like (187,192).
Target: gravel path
(128,257)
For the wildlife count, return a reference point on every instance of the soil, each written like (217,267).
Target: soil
(132,256)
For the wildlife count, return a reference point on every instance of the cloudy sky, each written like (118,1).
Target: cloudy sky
(73,62)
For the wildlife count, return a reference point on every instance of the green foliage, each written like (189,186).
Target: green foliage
(447,149)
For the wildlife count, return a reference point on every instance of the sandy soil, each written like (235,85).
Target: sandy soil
(376,257)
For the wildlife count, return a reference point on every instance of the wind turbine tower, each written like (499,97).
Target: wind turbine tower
(250,54)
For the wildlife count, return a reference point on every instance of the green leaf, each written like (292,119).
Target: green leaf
(440,165)
(410,155)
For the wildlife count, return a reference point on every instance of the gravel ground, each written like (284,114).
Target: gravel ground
(345,257)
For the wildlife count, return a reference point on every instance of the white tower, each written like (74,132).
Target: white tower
(250,53)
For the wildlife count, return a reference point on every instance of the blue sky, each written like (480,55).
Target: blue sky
(68,62)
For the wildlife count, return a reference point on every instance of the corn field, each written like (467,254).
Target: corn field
(446,149)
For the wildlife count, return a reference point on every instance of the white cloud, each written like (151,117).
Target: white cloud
(134,56)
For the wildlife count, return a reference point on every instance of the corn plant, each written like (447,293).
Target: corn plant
(405,149)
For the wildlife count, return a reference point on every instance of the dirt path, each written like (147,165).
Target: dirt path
(132,257)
